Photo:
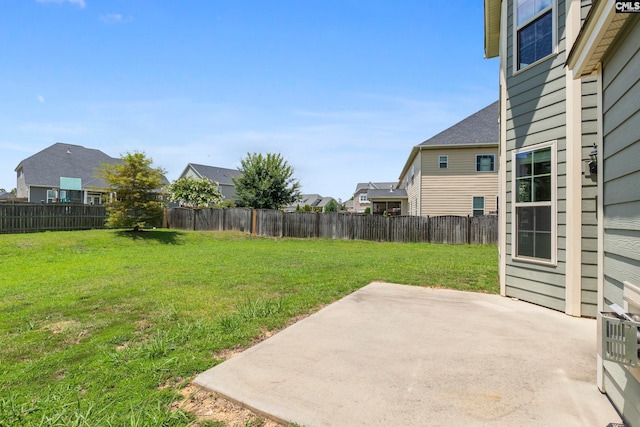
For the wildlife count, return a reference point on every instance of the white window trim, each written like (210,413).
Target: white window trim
(363,198)
(494,163)
(446,161)
(516,27)
(554,205)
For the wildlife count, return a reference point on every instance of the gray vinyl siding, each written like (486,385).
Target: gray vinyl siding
(536,113)
(585,6)
(621,180)
(589,256)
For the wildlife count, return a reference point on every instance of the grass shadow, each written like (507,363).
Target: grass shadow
(162,236)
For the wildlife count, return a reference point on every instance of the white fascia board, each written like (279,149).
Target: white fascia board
(592,34)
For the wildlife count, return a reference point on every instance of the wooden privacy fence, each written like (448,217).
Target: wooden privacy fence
(237,219)
(31,217)
(336,225)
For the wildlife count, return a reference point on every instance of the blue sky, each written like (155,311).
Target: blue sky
(343,89)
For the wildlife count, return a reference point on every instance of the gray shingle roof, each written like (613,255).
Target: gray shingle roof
(479,128)
(65,160)
(374,185)
(220,175)
(399,193)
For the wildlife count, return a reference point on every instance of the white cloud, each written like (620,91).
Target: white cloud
(80,3)
(41,99)
(115,18)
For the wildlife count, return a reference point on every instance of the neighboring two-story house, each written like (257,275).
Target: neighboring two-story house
(361,196)
(456,171)
(63,173)
(569,173)
(223,176)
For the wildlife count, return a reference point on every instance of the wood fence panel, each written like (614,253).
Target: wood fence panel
(270,223)
(180,218)
(301,224)
(448,229)
(334,225)
(483,229)
(210,219)
(32,217)
(337,225)
(409,229)
(237,219)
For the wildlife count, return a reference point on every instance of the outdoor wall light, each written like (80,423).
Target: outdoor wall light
(593,164)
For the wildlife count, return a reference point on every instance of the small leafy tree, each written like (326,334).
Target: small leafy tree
(194,192)
(332,206)
(136,186)
(266,182)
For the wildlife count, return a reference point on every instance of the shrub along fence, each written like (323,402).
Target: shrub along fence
(31,217)
(337,225)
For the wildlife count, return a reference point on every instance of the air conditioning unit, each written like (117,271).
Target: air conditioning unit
(621,337)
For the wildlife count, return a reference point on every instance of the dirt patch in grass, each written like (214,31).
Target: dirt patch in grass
(209,406)
(62,326)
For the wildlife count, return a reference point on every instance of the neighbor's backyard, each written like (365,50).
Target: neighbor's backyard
(103,327)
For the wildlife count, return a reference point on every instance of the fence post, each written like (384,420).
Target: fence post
(468,230)
(254,221)
(164,218)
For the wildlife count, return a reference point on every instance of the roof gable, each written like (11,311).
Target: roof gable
(481,127)
(65,160)
(222,176)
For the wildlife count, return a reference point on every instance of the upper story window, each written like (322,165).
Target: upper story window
(443,162)
(534,30)
(363,198)
(485,163)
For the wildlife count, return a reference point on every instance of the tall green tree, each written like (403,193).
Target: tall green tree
(266,182)
(137,200)
(194,192)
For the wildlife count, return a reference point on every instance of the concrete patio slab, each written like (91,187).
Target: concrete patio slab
(409,356)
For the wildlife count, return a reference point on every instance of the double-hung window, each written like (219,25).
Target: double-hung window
(534,203)
(363,198)
(443,162)
(485,163)
(534,31)
(478,205)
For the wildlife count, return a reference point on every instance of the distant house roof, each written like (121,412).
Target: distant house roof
(65,160)
(479,128)
(374,185)
(309,199)
(313,200)
(5,195)
(222,176)
(397,193)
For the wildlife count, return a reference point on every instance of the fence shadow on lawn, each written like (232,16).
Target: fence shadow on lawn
(165,236)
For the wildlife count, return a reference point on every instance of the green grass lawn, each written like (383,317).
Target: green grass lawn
(101,327)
